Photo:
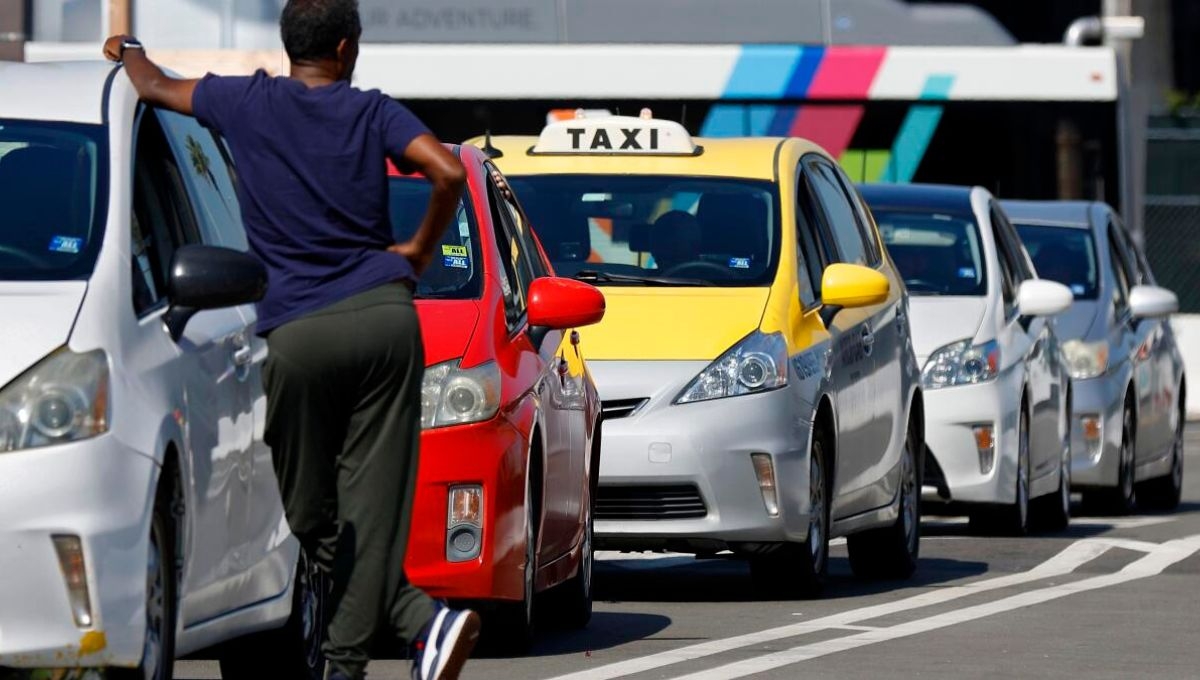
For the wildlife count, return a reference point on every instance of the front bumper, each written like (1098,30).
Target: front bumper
(951,414)
(493,455)
(705,446)
(1096,463)
(102,492)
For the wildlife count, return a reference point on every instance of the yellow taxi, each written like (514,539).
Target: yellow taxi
(759,389)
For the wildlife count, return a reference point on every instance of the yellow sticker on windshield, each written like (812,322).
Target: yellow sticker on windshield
(455,251)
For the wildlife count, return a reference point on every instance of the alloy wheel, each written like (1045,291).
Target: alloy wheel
(153,665)
(816,511)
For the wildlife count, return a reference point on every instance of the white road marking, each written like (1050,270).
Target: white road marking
(1161,557)
(1065,562)
(1134,522)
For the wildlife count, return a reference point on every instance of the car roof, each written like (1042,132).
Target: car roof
(71,92)
(749,157)
(1051,213)
(924,196)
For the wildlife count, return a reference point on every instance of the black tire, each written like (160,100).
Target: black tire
(570,603)
(1010,520)
(511,625)
(1164,493)
(892,552)
(798,569)
(158,655)
(294,650)
(1122,499)
(1054,511)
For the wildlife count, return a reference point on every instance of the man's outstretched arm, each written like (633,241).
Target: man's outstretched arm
(152,85)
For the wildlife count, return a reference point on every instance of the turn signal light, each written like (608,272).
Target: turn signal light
(985,444)
(74,569)
(1093,431)
(464,523)
(764,469)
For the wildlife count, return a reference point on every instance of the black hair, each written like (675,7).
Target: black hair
(312,29)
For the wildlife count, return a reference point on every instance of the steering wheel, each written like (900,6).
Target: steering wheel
(23,256)
(700,265)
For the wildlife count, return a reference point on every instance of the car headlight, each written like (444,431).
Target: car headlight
(961,363)
(1085,359)
(756,364)
(63,398)
(453,396)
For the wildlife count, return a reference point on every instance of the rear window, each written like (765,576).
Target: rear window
(936,253)
(456,270)
(1063,254)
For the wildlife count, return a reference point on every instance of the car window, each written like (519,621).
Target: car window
(161,219)
(53,199)
(1022,268)
(523,231)
(1008,275)
(456,271)
(1063,254)
(207,173)
(865,221)
(937,253)
(1137,271)
(516,274)
(837,212)
(1120,272)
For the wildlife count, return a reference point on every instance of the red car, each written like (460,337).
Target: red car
(510,443)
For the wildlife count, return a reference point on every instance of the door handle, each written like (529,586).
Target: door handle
(868,340)
(242,356)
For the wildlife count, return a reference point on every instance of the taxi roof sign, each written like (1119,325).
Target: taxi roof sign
(616,135)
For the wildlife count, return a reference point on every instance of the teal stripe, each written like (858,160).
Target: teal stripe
(937,86)
(917,130)
(762,72)
(738,120)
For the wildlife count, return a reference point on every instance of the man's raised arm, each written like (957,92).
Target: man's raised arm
(152,85)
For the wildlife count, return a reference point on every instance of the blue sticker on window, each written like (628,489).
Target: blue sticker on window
(966,273)
(66,244)
(739,263)
(455,262)
(1077,288)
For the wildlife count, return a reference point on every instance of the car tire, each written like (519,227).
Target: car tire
(158,653)
(1164,493)
(570,603)
(892,552)
(1054,510)
(294,650)
(798,569)
(512,623)
(1013,519)
(1122,499)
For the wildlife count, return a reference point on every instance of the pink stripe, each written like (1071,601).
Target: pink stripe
(832,127)
(846,72)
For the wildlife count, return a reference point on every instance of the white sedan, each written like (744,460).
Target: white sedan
(139,512)
(997,397)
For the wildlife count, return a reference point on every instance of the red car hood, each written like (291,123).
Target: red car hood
(446,327)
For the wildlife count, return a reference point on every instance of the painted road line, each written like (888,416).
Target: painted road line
(1072,557)
(1135,522)
(1163,556)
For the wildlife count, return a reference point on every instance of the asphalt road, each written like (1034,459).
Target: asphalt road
(1108,598)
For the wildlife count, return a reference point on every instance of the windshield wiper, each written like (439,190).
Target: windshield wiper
(592,275)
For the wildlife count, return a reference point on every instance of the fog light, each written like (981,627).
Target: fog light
(464,523)
(70,559)
(764,469)
(1093,434)
(985,444)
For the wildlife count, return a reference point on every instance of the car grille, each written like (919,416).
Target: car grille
(621,408)
(680,501)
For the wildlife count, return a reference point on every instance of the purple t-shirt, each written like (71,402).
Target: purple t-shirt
(313,185)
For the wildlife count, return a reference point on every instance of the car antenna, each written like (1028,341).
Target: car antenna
(683,115)
(488,149)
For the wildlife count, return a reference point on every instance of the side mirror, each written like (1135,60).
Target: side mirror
(559,303)
(850,285)
(207,277)
(1152,301)
(1042,297)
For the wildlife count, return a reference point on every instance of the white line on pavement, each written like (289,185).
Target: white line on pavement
(1065,562)
(1163,556)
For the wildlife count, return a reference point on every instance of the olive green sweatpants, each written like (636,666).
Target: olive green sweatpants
(343,388)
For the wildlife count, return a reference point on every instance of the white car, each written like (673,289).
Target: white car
(997,396)
(140,516)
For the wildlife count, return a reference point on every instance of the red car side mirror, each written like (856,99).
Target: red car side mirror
(560,303)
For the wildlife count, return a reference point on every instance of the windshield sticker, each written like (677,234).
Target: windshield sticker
(455,262)
(456,251)
(1078,289)
(739,263)
(66,244)
(966,273)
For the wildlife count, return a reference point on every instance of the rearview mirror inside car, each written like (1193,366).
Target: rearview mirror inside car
(208,277)
(1152,301)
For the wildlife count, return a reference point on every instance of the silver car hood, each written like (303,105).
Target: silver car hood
(937,321)
(38,317)
(621,380)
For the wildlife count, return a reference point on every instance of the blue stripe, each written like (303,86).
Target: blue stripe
(806,69)
(781,123)
(762,71)
(739,120)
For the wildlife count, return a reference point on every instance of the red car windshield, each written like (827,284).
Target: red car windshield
(456,271)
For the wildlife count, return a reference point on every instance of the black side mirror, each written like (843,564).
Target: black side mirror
(208,277)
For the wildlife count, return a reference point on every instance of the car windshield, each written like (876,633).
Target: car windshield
(52,200)
(1063,254)
(936,253)
(654,230)
(455,272)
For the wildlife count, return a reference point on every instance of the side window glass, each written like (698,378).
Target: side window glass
(515,278)
(808,258)
(521,228)
(1005,233)
(866,225)
(837,212)
(1136,273)
(161,219)
(207,173)
(1008,277)
(1120,271)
